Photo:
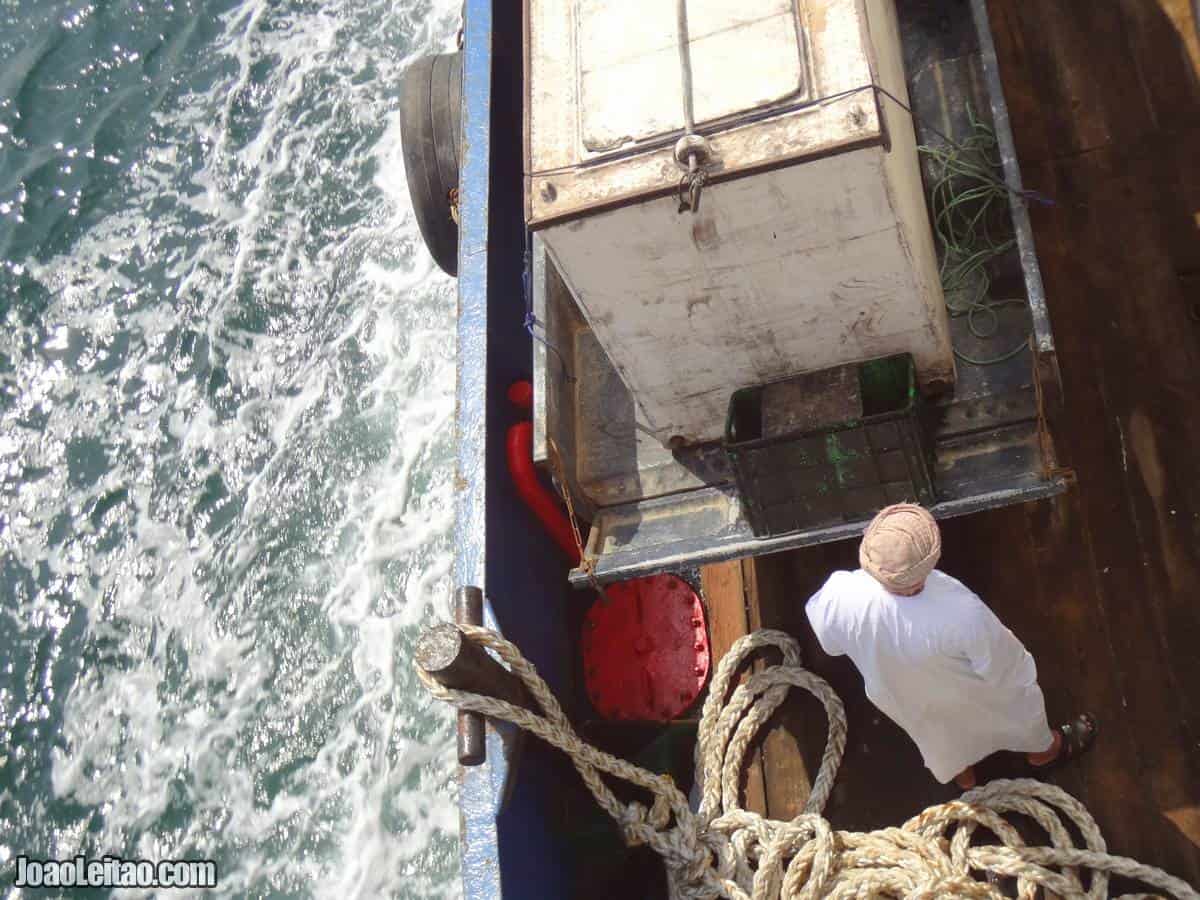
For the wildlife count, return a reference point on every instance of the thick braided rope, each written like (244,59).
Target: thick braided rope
(726,851)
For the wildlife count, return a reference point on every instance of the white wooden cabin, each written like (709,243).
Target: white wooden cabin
(812,245)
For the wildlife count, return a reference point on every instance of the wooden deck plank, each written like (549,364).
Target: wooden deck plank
(1125,596)
(1114,250)
(725,599)
(1124,442)
(1079,108)
(1119,557)
(1160,39)
(1077,653)
(1101,583)
(788,740)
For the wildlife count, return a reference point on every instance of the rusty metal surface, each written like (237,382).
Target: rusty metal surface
(646,540)
(995,465)
(1034,288)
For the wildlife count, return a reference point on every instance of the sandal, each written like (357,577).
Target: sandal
(1078,735)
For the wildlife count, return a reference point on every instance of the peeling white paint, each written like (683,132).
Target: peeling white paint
(826,260)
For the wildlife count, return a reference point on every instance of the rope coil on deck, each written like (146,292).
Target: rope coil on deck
(726,851)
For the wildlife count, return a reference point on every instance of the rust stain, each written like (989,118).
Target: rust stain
(704,232)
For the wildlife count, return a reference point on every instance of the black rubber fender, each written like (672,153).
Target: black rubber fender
(431,135)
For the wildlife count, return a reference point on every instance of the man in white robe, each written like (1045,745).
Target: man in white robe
(933,657)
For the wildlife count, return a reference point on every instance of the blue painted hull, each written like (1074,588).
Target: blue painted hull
(508,845)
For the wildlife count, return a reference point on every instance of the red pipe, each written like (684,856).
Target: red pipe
(541,502)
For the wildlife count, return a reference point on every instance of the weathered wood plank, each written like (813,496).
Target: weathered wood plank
(725,599)
(1180,13)
(788,739)
(1161,40)
(1082,105)
(1178,190)
(1085,669)
(1116,564)
(1129,372)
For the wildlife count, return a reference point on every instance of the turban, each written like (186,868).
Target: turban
(900,547)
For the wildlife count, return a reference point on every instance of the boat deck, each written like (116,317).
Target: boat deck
(1102,582)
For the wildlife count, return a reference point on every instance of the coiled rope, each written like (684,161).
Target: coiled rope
(968,198)
(726,851)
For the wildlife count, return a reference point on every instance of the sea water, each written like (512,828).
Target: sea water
(226,400)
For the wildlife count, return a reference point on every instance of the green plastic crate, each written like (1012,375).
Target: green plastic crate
(801,471)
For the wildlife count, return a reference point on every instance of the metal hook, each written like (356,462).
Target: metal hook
(694,193)
(694,179)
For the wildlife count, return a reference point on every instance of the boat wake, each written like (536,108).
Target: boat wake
(227,374)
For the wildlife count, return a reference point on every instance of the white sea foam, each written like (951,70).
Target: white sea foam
(227,470)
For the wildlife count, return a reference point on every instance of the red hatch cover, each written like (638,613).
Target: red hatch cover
(645,651)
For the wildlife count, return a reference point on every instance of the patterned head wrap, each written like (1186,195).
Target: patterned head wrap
(901,546)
